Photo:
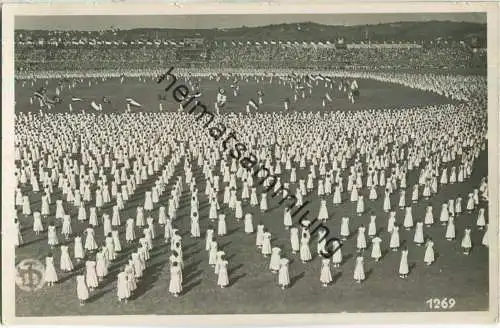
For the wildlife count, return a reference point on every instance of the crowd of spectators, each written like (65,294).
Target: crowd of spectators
(78,57)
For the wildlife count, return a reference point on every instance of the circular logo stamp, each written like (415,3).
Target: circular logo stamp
(30,275)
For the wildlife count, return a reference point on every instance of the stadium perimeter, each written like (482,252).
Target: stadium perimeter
(253,287)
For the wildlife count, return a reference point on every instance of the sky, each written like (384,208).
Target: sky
(227,21)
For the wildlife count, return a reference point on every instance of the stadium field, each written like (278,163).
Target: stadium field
(374,94)
(253,288)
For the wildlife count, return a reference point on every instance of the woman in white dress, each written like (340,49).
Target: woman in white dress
(429,216)
(387,201)
(107,227)
(82,213)
(359,269)
(372,226)
(360,206)
(65,264)
(209,235)
(450,229)
(402,199)
(148,202)
(19,237)
(481,221)
(37,223)
(66,226)
(212,213)
(337,196)
(45,210)
(120,201)
(238,213)
(373,193)
(139,218)
(115,219)
(26,206)
(418,237)
(116,241)
(394,241)
(259,239)
(90,243)
(403,264)
(429,252)
(138,265)
(376,250)
(162,215)
(212,254)
(458,205)
(263,203)
(195,226)
(52,236)
(322,234)
(248,222)
(245,193)
(354,194)
(266,243)
(470,203)
(93,221)
(337,253)
(222,275)
(129,230)
(485,240)
(414,194)
(79,250)
(253,197)
(466,242)
(110,247)
(82,291)
(344,228)
(445,214)
(283,274)
(123,290)
(293,175)
(175,285)
(322,215)
(274,264)
(101,265)
(99,202)
(91,275)
(427,190)
(50,270)
(305,251)
(326,273)
(218,256)
(221,226)
(294,240)
(361,239)
(408,220)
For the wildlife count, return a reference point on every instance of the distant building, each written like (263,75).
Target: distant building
(384,46)
(194,42)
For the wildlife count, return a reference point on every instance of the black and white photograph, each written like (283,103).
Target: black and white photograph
(250,164)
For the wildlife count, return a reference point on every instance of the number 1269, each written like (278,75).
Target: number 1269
(441,303)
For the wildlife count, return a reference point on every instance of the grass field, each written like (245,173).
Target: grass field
(253,287)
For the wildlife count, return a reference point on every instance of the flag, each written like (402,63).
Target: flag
(95,106)
(253,104)
(132,102)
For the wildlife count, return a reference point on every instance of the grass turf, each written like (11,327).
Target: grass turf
(253,287)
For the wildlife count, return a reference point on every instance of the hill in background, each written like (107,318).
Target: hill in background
(403,31)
